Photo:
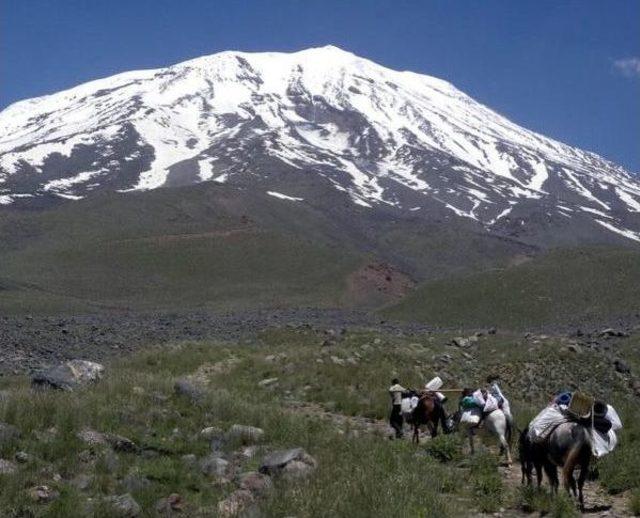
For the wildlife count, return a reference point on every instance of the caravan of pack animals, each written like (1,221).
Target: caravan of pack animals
(565,435)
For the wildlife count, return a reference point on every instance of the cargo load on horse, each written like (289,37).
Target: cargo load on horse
(600,419)
(491,409)
(475,405)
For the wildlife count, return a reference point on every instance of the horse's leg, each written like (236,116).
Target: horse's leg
(433,428)
(538,466)
(552,474)
(570,463)
(504,447)
(471,446)
(584,472)
(416,433)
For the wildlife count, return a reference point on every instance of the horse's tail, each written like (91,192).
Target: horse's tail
(509,431)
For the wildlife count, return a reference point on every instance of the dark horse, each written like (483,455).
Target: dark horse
(567,447)
(429,412)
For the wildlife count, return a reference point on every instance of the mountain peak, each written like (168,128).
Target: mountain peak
(382,139)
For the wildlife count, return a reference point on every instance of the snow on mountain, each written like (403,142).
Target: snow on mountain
(384,138)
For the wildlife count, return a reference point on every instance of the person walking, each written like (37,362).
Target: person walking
(396,421)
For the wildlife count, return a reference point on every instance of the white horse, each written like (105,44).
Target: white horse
(497,424)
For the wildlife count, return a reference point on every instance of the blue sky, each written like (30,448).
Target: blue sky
(567,69)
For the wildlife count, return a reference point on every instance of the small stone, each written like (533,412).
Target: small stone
(245,434)
(235,503)
(459,341)
(574,348)
(337,361)
(211,432)
(82,482)
(267,382)
(173,503)
(219,481)
(213,465)
(124,506)
(122,444)
(43,494)
(135,482)
(255,482)
(86,456)
(189,459)
(7,467)
(613,332)
(621,366)
(184,387)
(275,462)
(248,452)
(92,437)
(22,457)
(296,469)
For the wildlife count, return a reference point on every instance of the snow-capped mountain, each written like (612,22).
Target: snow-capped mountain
(288,123)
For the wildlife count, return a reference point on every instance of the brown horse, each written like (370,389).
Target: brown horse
(429,412)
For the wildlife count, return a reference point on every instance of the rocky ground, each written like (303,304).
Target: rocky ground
(174,427)
(29,343)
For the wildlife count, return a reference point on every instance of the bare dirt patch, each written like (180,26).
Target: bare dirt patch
(377,283)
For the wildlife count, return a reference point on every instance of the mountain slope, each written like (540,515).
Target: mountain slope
(322,128)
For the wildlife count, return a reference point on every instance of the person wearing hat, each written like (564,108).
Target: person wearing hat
(396,391)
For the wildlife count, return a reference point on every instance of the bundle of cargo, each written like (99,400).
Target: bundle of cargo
(600,418)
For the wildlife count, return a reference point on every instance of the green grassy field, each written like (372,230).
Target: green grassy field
(360,472)
(219,248)
(559,288)
(194,249)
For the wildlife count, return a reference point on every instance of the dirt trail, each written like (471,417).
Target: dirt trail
(597,501)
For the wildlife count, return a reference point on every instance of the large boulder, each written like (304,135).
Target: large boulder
(292,462)
(68,375)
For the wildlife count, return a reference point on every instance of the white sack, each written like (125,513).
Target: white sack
(434,384)
(545,422)
(601,444)
(471,417)
(613,417)
(491,404)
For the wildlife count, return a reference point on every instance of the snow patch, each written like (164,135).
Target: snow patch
(283,196)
